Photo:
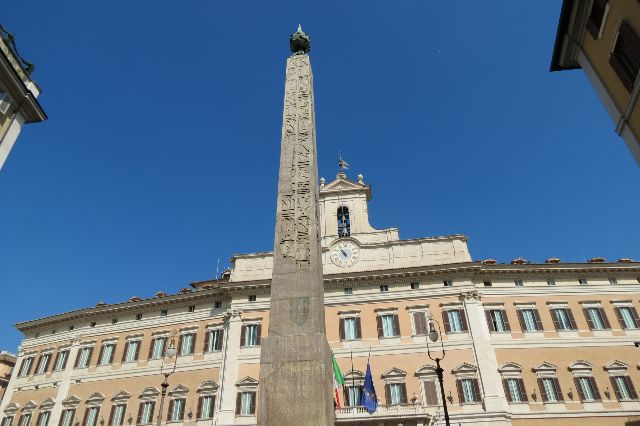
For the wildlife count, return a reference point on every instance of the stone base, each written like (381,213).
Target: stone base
(296,386)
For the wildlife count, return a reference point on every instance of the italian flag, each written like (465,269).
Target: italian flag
(338,379)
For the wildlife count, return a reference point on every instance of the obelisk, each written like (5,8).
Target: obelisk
(295,363)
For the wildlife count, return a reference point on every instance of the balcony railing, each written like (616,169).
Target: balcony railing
(346,414)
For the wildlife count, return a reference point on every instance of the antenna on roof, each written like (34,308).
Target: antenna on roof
(218,270)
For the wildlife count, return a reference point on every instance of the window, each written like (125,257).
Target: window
(191,308)
(582,281)
(61,360)
(384,288)
(420,323)
(117,415)
(550,389)
(627,317)
(67,417)
(164,313)
(613,281)
(352,395)
(131,351)
(145,412)
(563,319)
(5,102)
(519,283)
(25,367)
(447,283)
(596,318)
(623,387)
(551,281)
(7,421)
(187,343)
(252,298)
(91,416)
(217,305)
(25,419)
(138,317)
(514,389)
(415,286)
(250,335)
(114,321)
(468,391)
(430,392)
(246,403)
(350,328)
(497,320)
(213,340)
(158,348)
(529,320)
(344,224)
(594,21)
(388,325)
(625,58)
(106,354)
(43,418)
(487,284)
(587,388)
(348,290)
(396,393)
(176,410)
(43,363)
(454,321)
(205,407)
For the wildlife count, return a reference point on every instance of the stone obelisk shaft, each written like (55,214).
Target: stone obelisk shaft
(295,365)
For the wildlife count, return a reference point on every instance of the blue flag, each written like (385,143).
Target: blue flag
(369,397)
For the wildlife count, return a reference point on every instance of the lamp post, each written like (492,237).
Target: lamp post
(433,336)
(171,353)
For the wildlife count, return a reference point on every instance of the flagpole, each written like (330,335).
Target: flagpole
(353,390)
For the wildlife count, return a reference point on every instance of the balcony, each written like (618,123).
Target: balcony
(417,413)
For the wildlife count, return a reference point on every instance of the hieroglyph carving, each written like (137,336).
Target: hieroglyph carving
(297,132)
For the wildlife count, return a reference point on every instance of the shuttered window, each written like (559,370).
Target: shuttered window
(454,321)
(350,328)
(158,348)
(106,353)
(587,388)
(176,410)
(514,389)
(91,416)
(145,412)
(246,403)
(497,320)
(594,21)
(7,421)
(420,323)
(205,407)
(43,418)
(61,360)
(131,351)
(431,392)
(623,387)
(563,319)
(395,393)
(250,335)
(43,363)
(25,367)
(596,318)
(468,391)
(116,418)
(388,325)
(625,58)
(67,417)
(213,340)
(627,317)
(550,389)
(25,419)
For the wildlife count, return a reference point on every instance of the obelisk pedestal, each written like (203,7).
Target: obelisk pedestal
(295,363)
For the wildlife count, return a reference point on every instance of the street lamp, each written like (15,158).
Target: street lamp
(171,353)
(433,335)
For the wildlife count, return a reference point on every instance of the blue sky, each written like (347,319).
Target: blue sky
(160,154)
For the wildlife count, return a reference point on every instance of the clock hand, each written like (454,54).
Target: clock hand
(343,252)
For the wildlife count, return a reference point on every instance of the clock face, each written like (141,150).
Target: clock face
(344,254)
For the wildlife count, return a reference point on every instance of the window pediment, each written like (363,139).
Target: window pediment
(580,366)
(616,366)
(247,381)
(71,401)
(208,386)
(545,367)
(179,390)
(11,408)
(510,367)
(47,404)
(395,372)
(149,392)
(465,368)
(426,370)
(121,396)
(30,405)
(95,398)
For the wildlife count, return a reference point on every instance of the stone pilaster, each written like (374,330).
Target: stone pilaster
(226,402)
(494,400)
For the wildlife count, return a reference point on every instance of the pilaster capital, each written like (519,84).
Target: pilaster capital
(471,296)
(232,314)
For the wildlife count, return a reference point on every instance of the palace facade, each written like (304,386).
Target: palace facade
(525,344)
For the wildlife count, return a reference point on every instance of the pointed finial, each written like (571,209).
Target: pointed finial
(300,42)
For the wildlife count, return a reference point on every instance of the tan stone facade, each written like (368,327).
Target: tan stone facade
(7,362)
(526,344)
(603,38)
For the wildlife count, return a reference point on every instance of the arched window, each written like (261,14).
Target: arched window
(344,224)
